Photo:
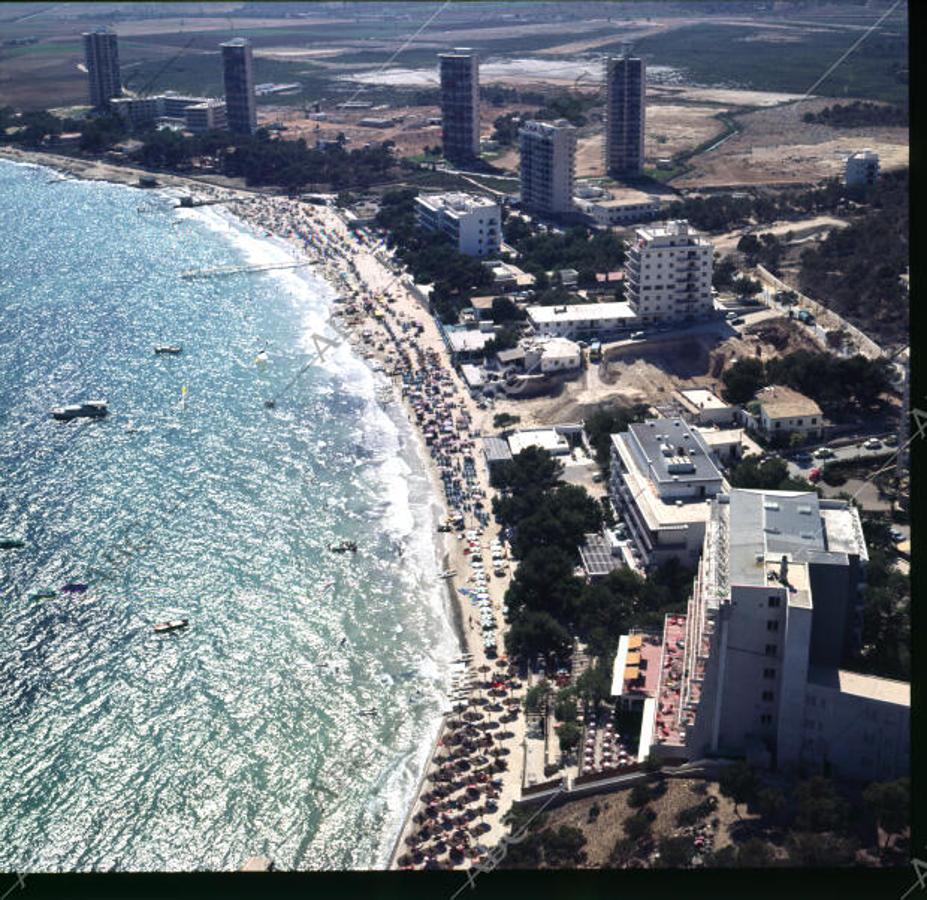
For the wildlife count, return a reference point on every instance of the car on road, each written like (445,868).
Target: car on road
(737,321)
(638,335)
(873,444)
(897,536)
(891,440)
(823,453)
(730,315)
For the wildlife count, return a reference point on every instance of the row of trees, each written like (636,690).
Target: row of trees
(838,385)
(547,603)
(859,114)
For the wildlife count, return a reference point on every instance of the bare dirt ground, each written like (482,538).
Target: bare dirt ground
(819,225)
(606,830)
(412,134)
(776,147)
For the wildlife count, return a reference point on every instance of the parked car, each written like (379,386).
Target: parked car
(891,440)
(873,444)
(897,536)
(737,321)
(730,315)
(638,335)
(823,453)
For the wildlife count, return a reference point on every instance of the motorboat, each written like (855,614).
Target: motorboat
(447,574)
(44,594)
(91,409)
(11,543)
(172,625)
(74,587)
(344,547)
(168,348)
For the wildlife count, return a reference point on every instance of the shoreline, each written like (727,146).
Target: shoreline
(372,300)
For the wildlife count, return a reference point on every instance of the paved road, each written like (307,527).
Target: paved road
(801,466)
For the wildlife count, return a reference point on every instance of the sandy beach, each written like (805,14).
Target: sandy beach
(475,768)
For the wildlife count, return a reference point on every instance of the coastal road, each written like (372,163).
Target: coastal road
(801,464)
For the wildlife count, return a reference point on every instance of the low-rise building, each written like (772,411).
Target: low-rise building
(473,223)
(582,321)
(208,116)
(627,208)
(783,410)
(662,475)
(508,278)
(704,407)
(551,355)
(466,345)
(549,439)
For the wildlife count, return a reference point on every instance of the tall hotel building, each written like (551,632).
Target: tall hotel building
(547,166)
(101,55)
(624,116)
(460,104)
(239,86)
(668,273)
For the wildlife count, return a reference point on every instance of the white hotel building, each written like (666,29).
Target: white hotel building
(473,223)
(668,273)
(753,666)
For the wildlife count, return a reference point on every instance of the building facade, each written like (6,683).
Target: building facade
(137,110)
(547,167)
(784,411)
(473,223)
(668,273)
(460,104)
(582,321)
(862,168)
(238,73)
(624,116)
(662,475)
(753,668)
(101,56)
(207,116)
(607,213)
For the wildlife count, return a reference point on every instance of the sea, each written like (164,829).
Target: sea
(293,717)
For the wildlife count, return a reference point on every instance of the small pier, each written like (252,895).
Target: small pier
(239,270)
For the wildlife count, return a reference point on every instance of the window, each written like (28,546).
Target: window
(769,673)
(814,421)
(767,696)
(770,649)
(766,719)
(799,421)
(774,602)
(772,625)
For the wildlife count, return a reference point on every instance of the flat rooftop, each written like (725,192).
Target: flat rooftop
(456,202)
(674,452)
(581,312)
(870,687)
(545,438)
(670,229)
(463,341)
(700,398)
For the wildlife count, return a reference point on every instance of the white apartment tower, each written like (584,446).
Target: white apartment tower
(668,273)
(460,104)
(101,56)
(547,166)
(625,106)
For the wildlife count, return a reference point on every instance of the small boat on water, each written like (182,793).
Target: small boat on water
(44,594)
(11,543)
(90,409)
(344,547)
(447,574)
(74,587)
(173,625)
(168,348)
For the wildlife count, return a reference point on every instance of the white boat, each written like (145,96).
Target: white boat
(168,348)
(173,625)
(90,409)
(447,574)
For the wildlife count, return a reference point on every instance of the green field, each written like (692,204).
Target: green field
(719,55)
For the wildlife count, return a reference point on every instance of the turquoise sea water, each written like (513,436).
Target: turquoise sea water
(254,731)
